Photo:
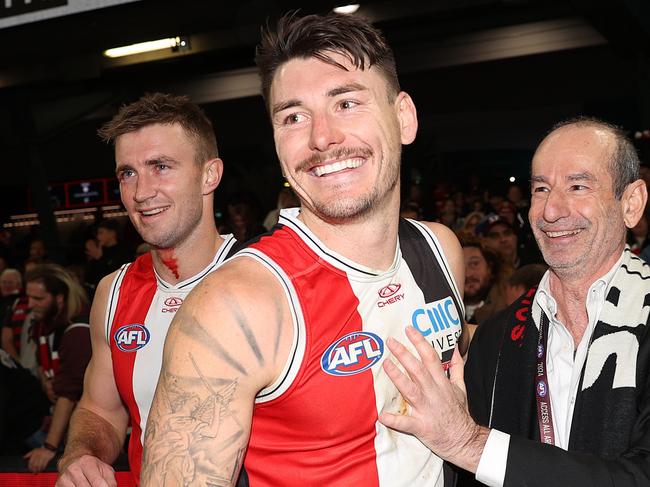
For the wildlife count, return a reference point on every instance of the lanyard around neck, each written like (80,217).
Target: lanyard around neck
(542,390)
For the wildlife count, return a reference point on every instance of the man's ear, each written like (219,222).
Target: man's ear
(60,300)
(407,116)
(633,201)
(212,172)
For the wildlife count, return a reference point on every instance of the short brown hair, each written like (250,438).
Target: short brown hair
(316,36)
(165,109)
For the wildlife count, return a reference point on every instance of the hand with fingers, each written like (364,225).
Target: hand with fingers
(86,471)
(438,414)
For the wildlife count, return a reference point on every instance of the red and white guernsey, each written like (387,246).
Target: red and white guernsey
(317,425)
(140,309)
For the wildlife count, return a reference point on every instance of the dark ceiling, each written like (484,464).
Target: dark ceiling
(488,78)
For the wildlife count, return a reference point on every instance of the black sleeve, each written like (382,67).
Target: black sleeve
(481,366)
(535,464)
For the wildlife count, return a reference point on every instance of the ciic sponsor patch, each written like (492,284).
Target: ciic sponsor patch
(352,354)
(440,324)
(130,338)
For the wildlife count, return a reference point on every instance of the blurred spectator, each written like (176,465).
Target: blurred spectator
(485,278)
(499,234)
(23,405)
(242,220)
(516,196)
(523,279)
(61,330)
(30,264)
(13,310)
(410,209)
(468,226)
(37,250)
(448,213)
(286,199)
(105,253)
(11,283)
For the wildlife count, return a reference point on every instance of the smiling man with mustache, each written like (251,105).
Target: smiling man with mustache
(287,340)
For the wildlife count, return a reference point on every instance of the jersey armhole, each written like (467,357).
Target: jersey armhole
(436,248)
(297,351)
(111,302)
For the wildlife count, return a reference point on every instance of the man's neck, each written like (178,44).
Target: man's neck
(370,240)
(570,293)
(177,264)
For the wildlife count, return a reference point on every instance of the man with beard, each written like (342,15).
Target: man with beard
(63,340)
(484,285)
(558,384)
(287,338)
(168,168)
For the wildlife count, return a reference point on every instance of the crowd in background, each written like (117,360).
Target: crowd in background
(501,258)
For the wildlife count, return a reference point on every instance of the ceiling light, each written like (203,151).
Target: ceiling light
(347,9)
(171,42)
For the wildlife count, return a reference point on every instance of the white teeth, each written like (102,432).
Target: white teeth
(153,212)
(337,166)
(563,233)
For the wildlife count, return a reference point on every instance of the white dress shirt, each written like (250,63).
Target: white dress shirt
(563,371)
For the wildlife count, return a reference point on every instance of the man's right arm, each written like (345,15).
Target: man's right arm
(229,340)
(98,426)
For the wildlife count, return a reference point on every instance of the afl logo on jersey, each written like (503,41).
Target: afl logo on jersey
(130,338)
(352,354)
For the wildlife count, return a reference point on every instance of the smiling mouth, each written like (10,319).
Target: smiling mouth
(152,212)
(337,166)
(562,233)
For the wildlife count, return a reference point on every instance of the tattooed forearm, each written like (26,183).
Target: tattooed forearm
(193,436)
(191,328)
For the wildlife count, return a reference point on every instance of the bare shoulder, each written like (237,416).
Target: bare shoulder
(446,236)
(240,316)
(453,250)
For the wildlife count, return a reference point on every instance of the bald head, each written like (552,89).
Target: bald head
(610,141)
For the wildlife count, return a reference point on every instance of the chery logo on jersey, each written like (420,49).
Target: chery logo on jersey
(353,353)
(389,295)
(440,324)
(130,338)
(172,305)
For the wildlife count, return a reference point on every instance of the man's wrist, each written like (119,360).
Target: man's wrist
(469,454)
(50,446)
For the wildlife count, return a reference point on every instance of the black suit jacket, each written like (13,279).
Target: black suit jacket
(624,462)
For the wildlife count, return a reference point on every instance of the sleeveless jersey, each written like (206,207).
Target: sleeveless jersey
(317,425)
(139,311)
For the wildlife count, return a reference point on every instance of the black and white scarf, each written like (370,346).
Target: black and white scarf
(606,405)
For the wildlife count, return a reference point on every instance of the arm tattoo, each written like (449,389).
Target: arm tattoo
(193,437)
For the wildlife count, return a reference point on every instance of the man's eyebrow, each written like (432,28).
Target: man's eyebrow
(283,105)
(339,90)
(149,162)
(581,176)
(538,179)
